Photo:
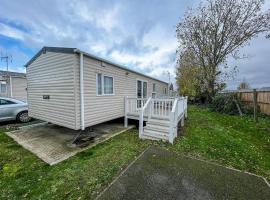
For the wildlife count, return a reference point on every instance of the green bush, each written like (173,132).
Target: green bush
(226,103)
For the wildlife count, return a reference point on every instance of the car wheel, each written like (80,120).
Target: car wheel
(23,117)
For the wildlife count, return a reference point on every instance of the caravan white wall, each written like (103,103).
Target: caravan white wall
(54,89)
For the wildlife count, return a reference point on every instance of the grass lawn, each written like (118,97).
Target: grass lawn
(23,175)
(229,140)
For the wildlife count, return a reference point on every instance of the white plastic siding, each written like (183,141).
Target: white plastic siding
(19,86)
(99,109)
(53,74)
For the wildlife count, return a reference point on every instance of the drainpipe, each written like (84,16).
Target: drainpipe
(81,91)
(10,85)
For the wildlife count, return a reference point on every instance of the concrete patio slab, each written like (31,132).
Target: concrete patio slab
(53,143)
(161,174)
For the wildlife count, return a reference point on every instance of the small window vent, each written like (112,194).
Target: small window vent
(46,96)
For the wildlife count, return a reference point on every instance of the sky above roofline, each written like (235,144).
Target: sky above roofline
(137,34)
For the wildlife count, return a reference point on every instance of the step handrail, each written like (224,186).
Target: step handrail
(173,115)
(174,105)
(141,116)
(136,98)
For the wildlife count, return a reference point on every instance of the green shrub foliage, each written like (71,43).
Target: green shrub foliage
(226,103)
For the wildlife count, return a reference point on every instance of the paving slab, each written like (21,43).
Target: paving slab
(161,174)
(53,143)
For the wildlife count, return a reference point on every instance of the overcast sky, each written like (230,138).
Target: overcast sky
(138,34)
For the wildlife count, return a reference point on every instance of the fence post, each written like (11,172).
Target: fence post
(255,105)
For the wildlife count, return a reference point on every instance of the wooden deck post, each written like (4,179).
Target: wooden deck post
(126,119)
(150,110)
(141,124)
(255,105)
(171,134)
(186,101)
(183,121)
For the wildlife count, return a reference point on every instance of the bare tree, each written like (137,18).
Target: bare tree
(217,29)
(244,85)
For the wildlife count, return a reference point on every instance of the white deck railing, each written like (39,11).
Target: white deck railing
(171,109)
(161,108)
(134,105)
(145,110)
(179,112)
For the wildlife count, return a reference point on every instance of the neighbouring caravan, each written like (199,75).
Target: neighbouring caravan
(74,89)
(13,85)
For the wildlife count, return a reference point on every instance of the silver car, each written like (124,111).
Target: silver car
(12,109)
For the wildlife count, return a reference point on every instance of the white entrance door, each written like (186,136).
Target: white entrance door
(141,93)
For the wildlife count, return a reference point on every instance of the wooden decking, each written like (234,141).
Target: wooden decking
(162,116)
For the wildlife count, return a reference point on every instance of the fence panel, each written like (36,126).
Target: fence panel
(263,98)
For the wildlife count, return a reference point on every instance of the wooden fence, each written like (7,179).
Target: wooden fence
(263,98)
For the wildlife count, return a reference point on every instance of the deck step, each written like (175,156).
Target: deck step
(152,138)
(159,122)
(156,134)
(154,127)
(136,116)
(157,129)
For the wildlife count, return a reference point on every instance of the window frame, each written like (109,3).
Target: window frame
(154,92)
(3,83)
(154,89)
(97,85)
(165,90)
(103,85)
(142,81)
(103,91)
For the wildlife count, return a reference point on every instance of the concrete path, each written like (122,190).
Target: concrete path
(160,174)
(53,143)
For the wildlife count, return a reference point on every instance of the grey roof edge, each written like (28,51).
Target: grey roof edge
(51,49)
(76,50)
(115,64)
(12,74)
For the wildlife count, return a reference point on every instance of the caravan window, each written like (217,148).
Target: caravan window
(154,87)
(99,84)
(154,91)
(3,88)
(105,85)
(144,89)
(108,85)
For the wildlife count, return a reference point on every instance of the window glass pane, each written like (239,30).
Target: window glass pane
(139,89)
(154,87)
(108,85)
(144,89)
(3,88)
(99,84)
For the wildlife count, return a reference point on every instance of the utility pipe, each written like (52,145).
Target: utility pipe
(81,91)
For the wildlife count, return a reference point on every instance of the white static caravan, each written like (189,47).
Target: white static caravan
(13,85)
(56,75)
(74,89)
